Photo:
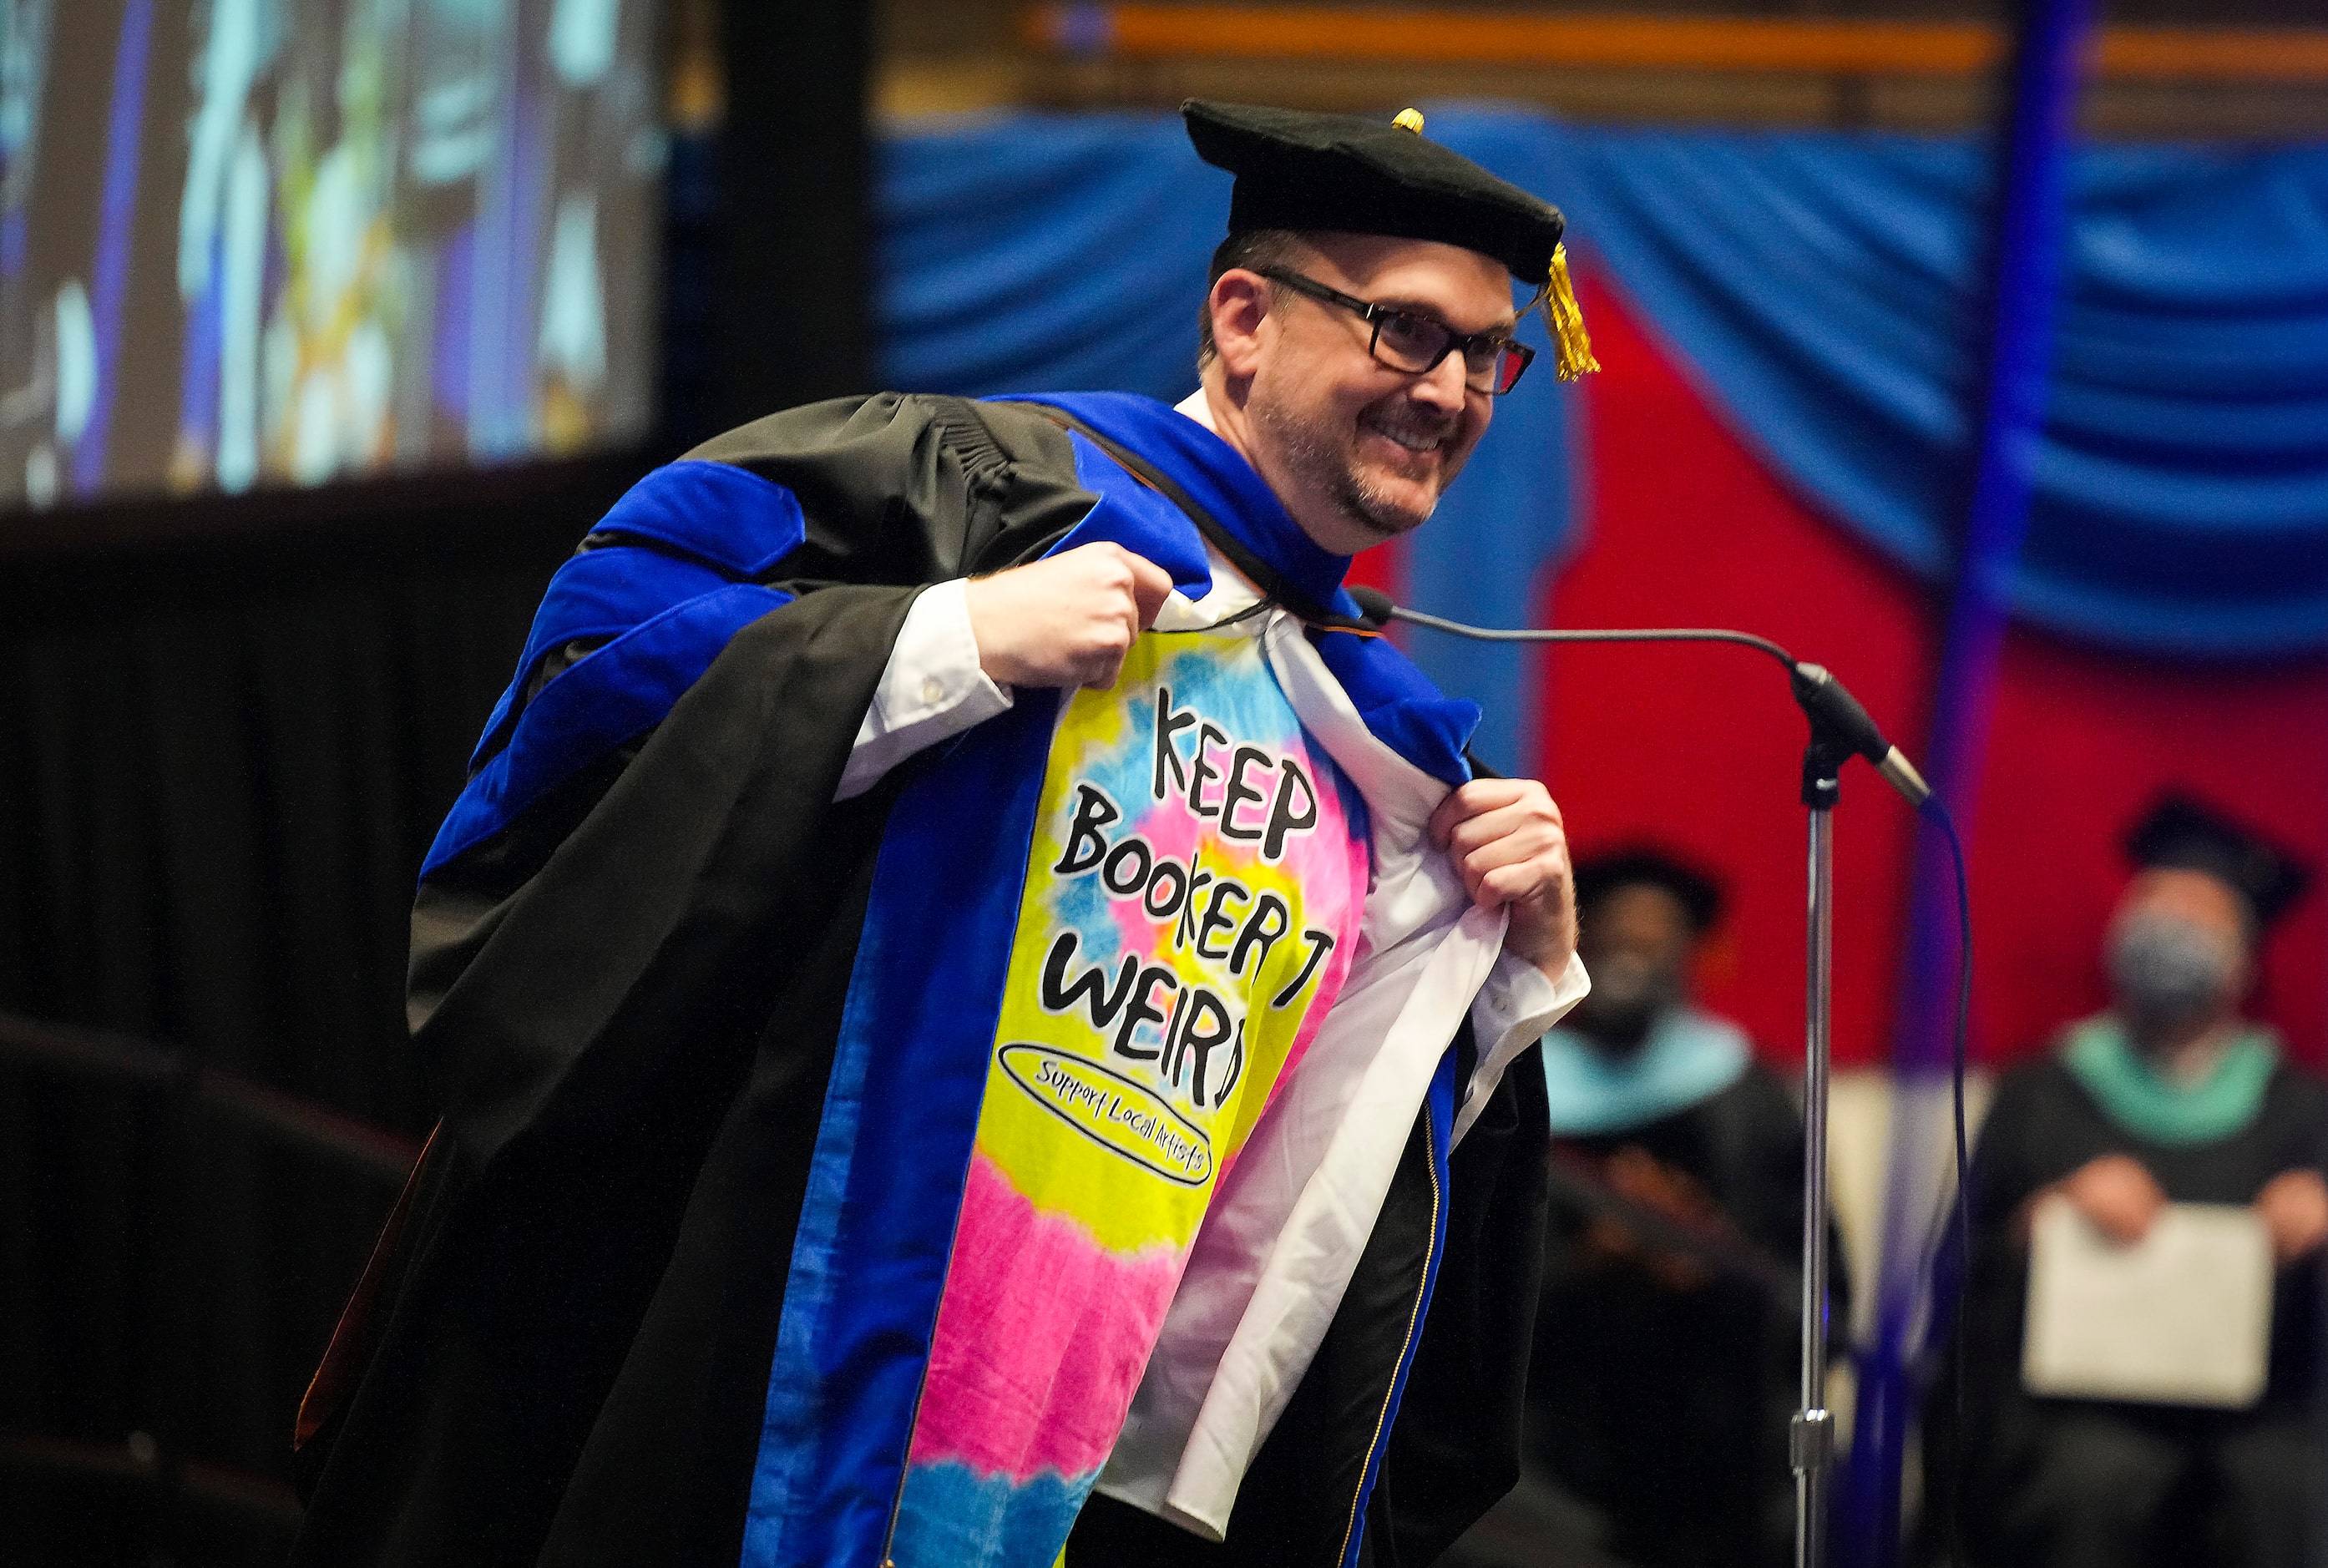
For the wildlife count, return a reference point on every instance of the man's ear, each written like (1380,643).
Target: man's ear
(1240,303)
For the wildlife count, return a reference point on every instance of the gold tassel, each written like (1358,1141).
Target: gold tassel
(1570,342)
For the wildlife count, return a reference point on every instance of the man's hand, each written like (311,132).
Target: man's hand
(1505,837)
(1067,620)
(2295,1209)
(2117,1194)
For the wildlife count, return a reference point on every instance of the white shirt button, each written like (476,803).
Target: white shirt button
(933,689)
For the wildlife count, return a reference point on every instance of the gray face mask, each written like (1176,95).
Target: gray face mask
(2168,972)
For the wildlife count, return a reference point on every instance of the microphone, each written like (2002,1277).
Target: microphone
(1833,707)
(1834,714)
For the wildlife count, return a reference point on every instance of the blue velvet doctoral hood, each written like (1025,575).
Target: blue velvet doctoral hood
(683,564)
(1398,701)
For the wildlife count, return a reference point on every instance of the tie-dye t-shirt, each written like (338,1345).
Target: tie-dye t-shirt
(1192,898)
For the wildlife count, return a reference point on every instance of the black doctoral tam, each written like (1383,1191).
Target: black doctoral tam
(1299,169)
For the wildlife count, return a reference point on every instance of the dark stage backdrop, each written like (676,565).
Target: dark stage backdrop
(229,729)
(218,772)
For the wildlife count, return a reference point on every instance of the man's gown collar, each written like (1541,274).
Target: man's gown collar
(1217,478)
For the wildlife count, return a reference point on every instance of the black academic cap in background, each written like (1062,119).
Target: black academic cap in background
(1598,876)
(2186,834)
(1300,170)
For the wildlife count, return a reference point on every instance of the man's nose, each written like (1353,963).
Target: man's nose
(1442,385)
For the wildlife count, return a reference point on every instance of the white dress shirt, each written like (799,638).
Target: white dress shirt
(932,689)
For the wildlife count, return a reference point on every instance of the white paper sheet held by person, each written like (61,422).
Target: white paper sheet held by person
(2180,1317)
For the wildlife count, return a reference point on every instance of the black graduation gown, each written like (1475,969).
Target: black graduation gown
(2025,1460)
(1666,1408)
(629,990)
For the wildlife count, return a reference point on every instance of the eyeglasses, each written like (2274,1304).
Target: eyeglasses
(1409,341)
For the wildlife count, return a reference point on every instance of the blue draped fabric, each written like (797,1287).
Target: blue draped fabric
(1822,286)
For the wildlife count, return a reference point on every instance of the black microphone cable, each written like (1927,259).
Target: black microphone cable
(1832,709)
(1963,1206)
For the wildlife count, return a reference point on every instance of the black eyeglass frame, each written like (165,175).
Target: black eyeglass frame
(1373,314)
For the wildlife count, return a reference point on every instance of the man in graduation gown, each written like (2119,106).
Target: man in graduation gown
(974,999)
(1663,1378)
(2171,1097)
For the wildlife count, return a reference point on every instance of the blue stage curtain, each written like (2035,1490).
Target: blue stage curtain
(1822,285)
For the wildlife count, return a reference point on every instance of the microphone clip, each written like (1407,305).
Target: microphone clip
(1841,730)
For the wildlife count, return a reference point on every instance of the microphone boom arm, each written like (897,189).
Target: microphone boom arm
(1581,635)
(1840,726)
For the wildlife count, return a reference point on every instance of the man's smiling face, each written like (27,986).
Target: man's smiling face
(1359,451)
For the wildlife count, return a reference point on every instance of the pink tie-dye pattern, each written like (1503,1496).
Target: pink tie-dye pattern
(1174,834)
(1049,1390)
(1336,969)
(1042,1333)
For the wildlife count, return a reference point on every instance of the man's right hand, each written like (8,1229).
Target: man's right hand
(2118,1195)
(1067,620)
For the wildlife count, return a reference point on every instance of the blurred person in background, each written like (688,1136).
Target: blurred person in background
(2172,1095)
(1663,1379)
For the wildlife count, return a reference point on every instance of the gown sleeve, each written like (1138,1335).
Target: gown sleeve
(649,857)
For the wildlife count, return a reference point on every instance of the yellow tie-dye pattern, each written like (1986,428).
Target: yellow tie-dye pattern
(1081,1130)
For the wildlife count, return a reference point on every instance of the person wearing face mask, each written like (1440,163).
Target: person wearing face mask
(2170,1095)
(1660,1388)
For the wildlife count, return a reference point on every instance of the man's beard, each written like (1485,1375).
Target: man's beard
(1320,458)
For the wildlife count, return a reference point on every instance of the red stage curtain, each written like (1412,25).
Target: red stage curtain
(1699,748)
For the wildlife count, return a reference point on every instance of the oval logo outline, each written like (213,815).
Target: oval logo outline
(1009,1056)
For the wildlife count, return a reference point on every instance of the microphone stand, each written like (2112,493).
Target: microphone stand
(1810,1437)
(1840,731)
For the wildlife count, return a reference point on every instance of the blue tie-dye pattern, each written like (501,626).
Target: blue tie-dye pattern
(952,1518)
(1127,773)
